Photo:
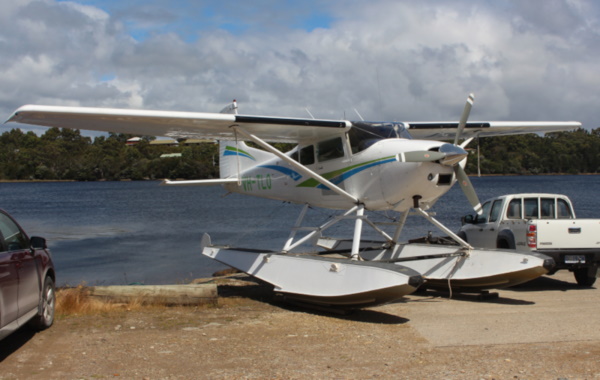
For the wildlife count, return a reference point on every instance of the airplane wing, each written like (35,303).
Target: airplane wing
(447,130)
(186,125)
(178,125)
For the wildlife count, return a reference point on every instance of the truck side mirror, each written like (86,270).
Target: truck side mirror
(467,219)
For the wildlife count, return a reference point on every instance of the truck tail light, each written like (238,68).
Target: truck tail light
(532,236)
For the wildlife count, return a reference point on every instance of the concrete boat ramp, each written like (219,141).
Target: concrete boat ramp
(550,309)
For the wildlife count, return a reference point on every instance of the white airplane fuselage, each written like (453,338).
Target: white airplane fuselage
(375,176)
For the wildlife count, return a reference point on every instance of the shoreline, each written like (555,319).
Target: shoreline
(162,179)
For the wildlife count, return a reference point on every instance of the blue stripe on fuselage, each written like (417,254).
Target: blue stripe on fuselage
(287,171)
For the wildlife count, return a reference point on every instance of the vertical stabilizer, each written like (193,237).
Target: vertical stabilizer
(236,156)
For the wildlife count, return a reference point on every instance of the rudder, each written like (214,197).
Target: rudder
(235,157)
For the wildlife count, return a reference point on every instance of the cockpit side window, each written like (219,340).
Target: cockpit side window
(360,140)
(307,155)
(330,149)
(363,134)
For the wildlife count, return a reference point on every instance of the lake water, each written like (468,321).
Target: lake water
(109,233)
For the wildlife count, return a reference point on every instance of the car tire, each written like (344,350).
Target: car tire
(585,276)
(45,315)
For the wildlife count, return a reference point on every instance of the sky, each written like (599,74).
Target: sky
(389,60)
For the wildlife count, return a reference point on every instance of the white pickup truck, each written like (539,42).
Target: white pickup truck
(543,223)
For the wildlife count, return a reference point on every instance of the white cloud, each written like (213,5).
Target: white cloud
(394,60)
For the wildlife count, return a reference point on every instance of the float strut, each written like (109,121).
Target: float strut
(357,232)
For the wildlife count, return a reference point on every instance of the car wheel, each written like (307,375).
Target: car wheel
(45,315)
(585,276)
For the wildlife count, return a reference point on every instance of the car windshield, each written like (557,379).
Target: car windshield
(364,134)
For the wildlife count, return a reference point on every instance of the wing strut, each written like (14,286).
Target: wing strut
(237,156)
(297,165)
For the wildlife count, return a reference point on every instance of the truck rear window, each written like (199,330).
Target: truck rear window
(514,209)
(531,208)
(563,211)
(547,210)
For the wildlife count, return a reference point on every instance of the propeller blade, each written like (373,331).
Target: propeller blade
(467,142)
(464,117)
(420,156)
(467,188)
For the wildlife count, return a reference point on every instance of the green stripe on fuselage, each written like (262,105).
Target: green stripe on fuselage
(311,182)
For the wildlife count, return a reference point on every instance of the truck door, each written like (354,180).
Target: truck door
(486,230)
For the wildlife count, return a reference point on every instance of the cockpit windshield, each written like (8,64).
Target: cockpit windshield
(363,134)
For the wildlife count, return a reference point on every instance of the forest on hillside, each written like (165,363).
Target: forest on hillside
(576,152)
(64,154)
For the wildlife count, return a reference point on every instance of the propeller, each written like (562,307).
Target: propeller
(451,155)
(461,176)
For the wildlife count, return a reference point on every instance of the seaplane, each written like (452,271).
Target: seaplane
(355,167)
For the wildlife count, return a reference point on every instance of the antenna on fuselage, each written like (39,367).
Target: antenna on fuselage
(379,95)
(361,118)
(308,112)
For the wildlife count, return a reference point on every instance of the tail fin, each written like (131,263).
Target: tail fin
(235,157)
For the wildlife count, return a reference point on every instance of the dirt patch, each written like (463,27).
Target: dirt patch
(250,335)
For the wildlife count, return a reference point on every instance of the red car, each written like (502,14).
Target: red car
(27,278)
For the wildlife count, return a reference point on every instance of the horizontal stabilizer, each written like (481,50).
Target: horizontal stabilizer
(200,182)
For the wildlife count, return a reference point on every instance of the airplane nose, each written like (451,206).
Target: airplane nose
(453,154)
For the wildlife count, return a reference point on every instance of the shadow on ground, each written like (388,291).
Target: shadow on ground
(254,289)
(14,341)
(545,283)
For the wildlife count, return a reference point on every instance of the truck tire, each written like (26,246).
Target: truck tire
(585,276)
(506,240)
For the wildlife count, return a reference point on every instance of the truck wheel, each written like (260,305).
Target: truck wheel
(502,244)
(45,315)
(585,276)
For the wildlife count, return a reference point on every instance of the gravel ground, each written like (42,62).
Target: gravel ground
(543,330)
